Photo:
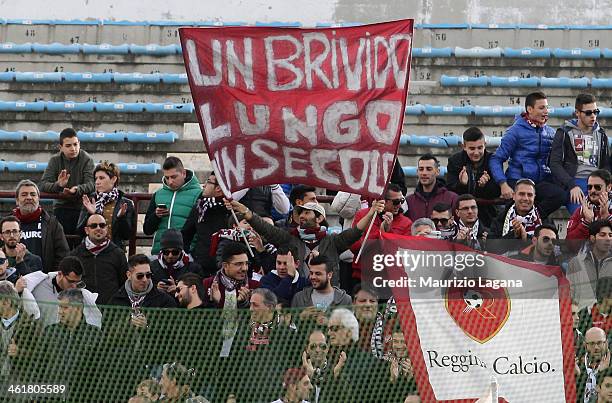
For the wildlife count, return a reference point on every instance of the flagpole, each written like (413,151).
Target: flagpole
(365,238)
(228,195)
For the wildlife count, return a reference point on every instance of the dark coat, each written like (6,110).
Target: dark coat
(154,299)
(456,162)
(122,227)
(419,206)
(159,273)
(54,244)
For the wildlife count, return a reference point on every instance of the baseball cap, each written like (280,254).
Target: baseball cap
(311,206)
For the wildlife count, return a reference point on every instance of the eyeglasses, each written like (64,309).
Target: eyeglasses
(208,181)
(140,276)
(596,187)
(336,328)
(240,264)
(442,221)
(396,202)
(77,283)
(322,346)
(595,343)
(173,252)
(466,208)
(3,260)
(591,112)
(11,232)
(95,225)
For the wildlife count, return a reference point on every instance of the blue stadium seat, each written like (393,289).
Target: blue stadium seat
(56,48)
(26,166)
(527,53)
(48,137)
(88,77)
(119,107)
(478,52)
(101,137)
(10,47)
(336,24)
(601,82)
(414,109)
(23,106)
(153,49)
(411,172)
(493,26)
(442,26)
(605,112)
(38,77)
(493,141)
(134,168)
(448,110)
(136,78)
(151,137)
(497,110)
(429,141)
(174,78)
(514,81)
(564,82)
(70,106)
(2,166)
(432,52)
(124,23)
(76,22)
(278,24)
(607,53)
(166,23)
(106,49)
(168,108)
(577,53)
(20,21)
(464,81)
(10,136)
(541,26)
(220,24)
(7,76)
(566,112)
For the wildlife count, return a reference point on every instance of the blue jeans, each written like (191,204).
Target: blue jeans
(571,207)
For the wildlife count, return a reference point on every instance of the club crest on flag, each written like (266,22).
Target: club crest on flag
(481,312)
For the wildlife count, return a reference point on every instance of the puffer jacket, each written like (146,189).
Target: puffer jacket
(526,148)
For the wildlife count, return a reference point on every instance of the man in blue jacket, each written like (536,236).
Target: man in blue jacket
(285,281)
(526,146)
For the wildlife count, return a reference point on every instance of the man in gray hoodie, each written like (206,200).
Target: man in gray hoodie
(321,295)
(579,148)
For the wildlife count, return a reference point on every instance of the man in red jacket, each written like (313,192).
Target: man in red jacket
(598,186)
(391,220)
(430,189)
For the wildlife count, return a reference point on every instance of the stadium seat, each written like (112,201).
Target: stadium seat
(134,168)
(448,110)
(464,81)
(294,24)
(10,47)
(56,48)
(22,106)
(153,49)
(564,82)
(411,171)
(566,112)
(2,166)
(152,137)
(493,26)
(70,106)
(124,23)
(607,53)
(601,82)
(88,77)
(527,53)
(497,110)
(414,140)
(605,112)
(432,52)
(168,108)
(577,53)
(101,137)
(49,136)
(7,76)
(137,78)
(414,109)
(514,81)
(10,136)
(442,26)
(26,166)
(121,107)
(106,49)
(38,77)
(174,78)
(492,141)
(477,52)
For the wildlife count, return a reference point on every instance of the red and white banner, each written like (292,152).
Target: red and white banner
(314,106)
(481,324)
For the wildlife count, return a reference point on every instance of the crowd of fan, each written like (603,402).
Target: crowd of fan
(213,256)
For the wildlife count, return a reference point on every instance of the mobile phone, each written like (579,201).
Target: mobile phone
(162,205)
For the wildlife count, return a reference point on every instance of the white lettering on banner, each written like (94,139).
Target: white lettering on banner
(245,67)
(262,118)
(290,159)
(272,63)
(294,126)
(353,76)
(318,162)
(194,64)
(399,72)
(333,127)
(257,148)
(213,133)
(346,162)
(314,65)
(228,166)
(392,109)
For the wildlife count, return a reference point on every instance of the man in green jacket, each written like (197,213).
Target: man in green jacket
(170,206)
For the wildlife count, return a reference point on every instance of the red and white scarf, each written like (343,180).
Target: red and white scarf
(530,221)
(95,249)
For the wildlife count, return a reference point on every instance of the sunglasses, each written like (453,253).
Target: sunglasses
(3,260)
(173,252)
(95,225)
(334,328)
(442,221)
(596,187)
(140,276)
(591,112)
(396,202)
(322,346)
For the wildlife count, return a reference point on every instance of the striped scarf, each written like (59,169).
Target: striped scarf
(530,221)
(205,203)
(104,198)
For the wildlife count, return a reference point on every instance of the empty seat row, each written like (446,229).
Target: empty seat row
(93,78)
(411,171)
(523,53)
(101,49)
(515,81)
(494,110)
(97,136)
(104,107)
(35,166)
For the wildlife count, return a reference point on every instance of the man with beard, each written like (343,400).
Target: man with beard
(596,206)
(471,231)
(311,235)
(400,373)
(526,146)
(593,263)
(321,295)
(596,359)
(391,220)
(365,307)
(296,385)
(468,172)
(300,195)
(188,291)
(604,386)
(41,233)
(104,263)
(20,260)
(442,216)
(326,376)
(513,228)
(430,189)
(542,248)
(285,281)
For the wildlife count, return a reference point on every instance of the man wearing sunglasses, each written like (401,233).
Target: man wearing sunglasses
(596,206)
(104,263)
(442,216)
(542,249)
(579,148)
(20,260)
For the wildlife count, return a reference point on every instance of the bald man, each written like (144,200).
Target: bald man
(596,359)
